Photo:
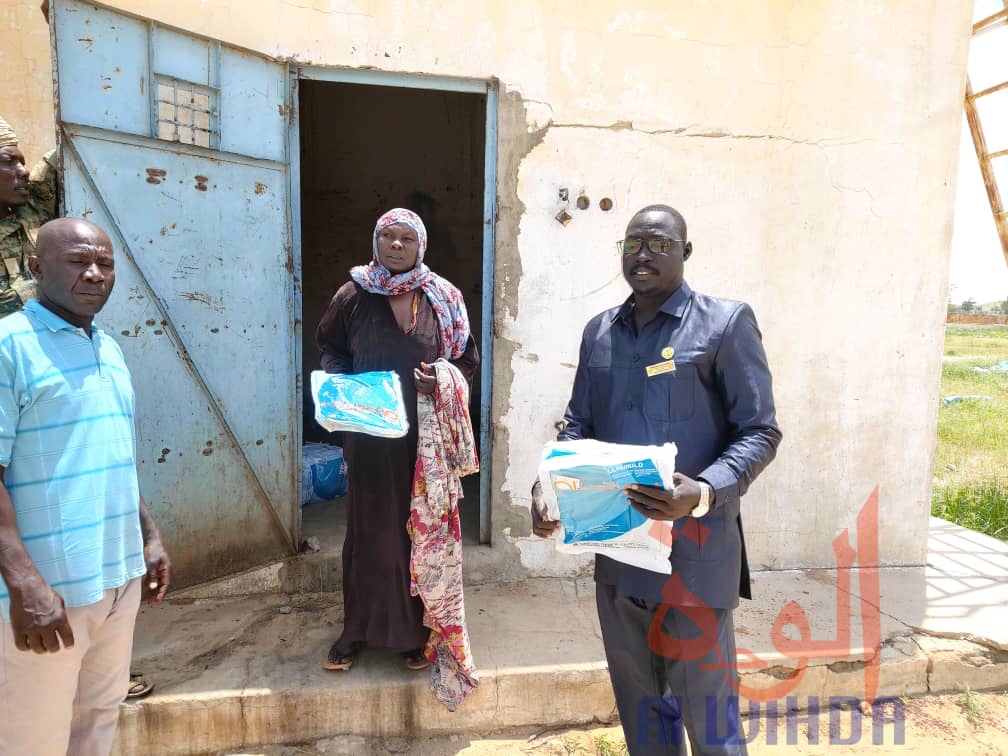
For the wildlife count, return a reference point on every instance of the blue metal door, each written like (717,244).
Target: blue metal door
(177,146)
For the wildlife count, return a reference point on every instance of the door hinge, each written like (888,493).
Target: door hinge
(286,111)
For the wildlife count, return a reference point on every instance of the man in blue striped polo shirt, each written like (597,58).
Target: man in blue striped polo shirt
(76,539)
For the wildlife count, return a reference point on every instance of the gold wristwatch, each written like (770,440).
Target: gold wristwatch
(703,506)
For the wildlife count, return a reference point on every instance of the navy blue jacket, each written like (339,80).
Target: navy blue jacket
(716,406)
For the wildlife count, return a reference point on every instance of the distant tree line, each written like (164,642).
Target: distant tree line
(970,305)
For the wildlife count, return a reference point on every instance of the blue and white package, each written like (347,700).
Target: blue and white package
(370,403)
(582,484)
(323,473)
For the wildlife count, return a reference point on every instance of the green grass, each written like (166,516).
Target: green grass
(605,747)
(968,702)
(984,342)
(971,460)
(571,747)
(983,507)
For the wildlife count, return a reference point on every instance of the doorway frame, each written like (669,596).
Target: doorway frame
(376,78)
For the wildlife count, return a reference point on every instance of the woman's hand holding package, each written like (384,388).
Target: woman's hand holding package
(659,504)
(425,379)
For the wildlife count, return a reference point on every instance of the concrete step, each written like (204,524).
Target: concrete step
(246,672)
(322,572)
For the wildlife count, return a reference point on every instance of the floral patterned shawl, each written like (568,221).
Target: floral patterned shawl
(446,452)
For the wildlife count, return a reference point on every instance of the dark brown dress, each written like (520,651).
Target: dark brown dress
(359,333)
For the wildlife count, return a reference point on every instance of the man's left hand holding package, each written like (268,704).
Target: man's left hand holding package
(584,483)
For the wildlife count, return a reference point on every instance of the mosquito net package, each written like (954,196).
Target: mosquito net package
(583,486)
(370,403)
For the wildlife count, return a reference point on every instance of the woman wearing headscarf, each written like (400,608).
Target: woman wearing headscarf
(394,314)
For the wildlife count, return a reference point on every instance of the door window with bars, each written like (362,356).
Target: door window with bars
(186,113)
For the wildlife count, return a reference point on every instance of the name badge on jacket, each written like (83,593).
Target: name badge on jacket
(660,368)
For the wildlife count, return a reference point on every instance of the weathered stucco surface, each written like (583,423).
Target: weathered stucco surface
(810,145)
(26,90)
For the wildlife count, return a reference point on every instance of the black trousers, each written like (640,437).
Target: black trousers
(659,697)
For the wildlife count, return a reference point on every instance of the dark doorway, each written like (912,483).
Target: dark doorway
(366,149)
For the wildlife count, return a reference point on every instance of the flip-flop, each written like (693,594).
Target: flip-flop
(340,658)
(138,687)
(415,659)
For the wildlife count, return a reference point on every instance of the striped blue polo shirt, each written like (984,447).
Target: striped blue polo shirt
(67,440)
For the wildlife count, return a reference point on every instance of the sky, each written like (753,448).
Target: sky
(978,268)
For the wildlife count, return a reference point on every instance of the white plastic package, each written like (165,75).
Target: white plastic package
(370,403)
(582,486)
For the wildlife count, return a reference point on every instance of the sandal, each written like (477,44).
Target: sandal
(415,659)
(341,657)
(138,687)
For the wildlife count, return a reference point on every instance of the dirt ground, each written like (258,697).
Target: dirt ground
(967,724)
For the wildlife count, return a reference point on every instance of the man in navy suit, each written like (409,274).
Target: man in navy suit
(670,364)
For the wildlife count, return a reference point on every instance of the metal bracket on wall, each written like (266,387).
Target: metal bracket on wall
(993,23)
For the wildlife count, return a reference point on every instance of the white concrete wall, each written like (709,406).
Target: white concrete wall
(811,146)
(26,88)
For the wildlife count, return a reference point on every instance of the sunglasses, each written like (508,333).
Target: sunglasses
(658,245)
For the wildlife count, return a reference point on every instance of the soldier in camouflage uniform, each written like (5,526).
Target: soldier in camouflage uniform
(27,200)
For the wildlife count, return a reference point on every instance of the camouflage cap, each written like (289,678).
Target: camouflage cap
(7,136)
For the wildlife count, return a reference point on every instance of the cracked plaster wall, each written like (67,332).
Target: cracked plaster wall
(26,91)
(812,148)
